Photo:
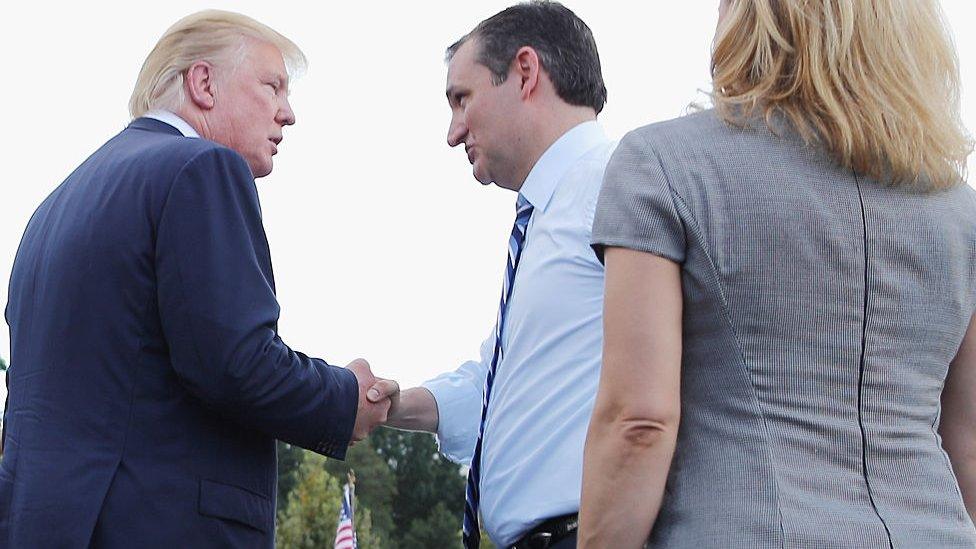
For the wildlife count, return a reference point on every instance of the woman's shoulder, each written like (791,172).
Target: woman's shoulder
(693,138)
(691,127)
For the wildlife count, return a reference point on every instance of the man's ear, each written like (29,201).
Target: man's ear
(198,82)
(526,67)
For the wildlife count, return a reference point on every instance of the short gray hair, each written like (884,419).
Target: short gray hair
(215,36)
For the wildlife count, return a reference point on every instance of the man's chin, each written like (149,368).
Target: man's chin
(261,171)
(482,178)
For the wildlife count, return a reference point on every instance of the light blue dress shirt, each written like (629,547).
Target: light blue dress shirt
(545,386)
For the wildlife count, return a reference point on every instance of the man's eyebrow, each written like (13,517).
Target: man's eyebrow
(454,93)
(281,81)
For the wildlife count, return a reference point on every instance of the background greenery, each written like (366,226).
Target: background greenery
(3,368)
(407,495)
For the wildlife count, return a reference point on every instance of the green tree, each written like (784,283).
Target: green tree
(407,494)
(312,510)
(289,460)
(366,535)
(440,528)
(424,480)
(375,484)
(3,368)
(311,514)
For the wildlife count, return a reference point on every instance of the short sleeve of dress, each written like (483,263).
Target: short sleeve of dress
(636,208)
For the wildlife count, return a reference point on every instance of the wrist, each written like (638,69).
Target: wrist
(416,410)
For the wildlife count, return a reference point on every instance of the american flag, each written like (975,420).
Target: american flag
(345,533)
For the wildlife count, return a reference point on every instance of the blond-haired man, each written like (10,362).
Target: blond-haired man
(147,381)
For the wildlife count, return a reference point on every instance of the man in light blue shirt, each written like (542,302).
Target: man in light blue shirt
(525,88)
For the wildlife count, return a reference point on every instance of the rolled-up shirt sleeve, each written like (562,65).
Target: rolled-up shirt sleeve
(459,395)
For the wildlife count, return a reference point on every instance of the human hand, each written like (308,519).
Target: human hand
(414,409)
(370,413)
(384,389)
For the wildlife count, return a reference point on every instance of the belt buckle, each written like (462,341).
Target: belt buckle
(539,540)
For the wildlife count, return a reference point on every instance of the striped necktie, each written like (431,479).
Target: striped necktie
(471,531)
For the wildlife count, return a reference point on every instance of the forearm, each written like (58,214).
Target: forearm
(632,433)
(961,447)
(292,397)
(625,468)
(415,411)
(958,419)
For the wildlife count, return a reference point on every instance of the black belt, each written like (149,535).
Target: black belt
(548,533)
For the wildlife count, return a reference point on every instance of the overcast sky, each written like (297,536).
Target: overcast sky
(384,246)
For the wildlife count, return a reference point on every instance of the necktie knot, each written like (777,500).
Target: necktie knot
(523,211)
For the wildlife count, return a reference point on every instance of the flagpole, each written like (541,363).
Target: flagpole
(346,528)
(351,477)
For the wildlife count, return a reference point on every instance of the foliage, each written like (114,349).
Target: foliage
(438,529)
(375,484)
(312,512)
(289,460)
(366,536)
(407,494)
(311,515)
(3,368)
(424,478)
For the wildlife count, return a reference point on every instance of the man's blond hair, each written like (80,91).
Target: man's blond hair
(217,37)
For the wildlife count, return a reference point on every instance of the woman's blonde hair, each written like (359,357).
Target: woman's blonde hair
(874,82)
(218,37)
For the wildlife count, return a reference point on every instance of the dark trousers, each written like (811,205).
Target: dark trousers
(569,542)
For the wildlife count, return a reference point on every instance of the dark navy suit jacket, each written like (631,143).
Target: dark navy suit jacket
(147,381)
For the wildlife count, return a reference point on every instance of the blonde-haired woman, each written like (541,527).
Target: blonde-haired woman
(793,275)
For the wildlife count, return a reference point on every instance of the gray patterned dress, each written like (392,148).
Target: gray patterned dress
(821,311)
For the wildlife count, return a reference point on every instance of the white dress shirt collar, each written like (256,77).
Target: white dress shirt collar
(172,119)
(559,157)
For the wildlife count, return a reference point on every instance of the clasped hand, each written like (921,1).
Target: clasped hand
(376,398)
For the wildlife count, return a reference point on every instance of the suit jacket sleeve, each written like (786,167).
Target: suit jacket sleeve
(219,313)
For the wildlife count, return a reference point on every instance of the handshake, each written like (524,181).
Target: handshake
(379,400)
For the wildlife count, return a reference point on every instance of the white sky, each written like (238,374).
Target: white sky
(383,244)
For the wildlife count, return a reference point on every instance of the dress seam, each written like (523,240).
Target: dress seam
(860,378)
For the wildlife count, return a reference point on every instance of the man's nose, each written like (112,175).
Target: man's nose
(456,133)
(286,116)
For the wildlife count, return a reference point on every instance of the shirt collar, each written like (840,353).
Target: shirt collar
(556,161)
(173,120)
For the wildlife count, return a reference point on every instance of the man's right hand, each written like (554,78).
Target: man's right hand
(412,410)
(370,413)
